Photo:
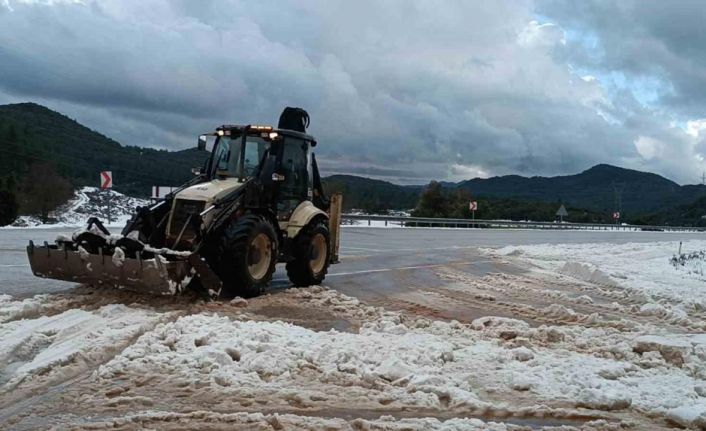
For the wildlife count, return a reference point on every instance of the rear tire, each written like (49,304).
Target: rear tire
(311,255)
(248,256)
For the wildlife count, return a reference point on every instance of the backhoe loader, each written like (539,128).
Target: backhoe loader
(257,200)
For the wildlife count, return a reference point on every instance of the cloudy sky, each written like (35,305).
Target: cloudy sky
(401,90)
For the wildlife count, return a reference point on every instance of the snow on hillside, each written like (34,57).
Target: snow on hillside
(88,202)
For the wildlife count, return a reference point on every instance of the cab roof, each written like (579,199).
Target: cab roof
(253,129)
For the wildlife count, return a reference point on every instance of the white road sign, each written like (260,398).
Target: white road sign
(473,206)
(159,192)
(106,180)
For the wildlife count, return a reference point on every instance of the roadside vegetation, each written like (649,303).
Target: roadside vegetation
(436,201)
(8,204)
(37,193)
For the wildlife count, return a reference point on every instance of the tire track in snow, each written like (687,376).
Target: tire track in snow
(38,393)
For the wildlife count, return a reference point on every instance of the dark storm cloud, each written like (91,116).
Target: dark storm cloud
(404,90)
(644,38)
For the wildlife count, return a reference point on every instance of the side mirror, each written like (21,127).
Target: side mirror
(197,171)
(201,145)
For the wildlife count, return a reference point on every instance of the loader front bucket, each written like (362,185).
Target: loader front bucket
(153,276)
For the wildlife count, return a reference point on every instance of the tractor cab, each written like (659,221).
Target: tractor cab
(280,159)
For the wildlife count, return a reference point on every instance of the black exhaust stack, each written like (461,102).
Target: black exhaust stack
(295,119)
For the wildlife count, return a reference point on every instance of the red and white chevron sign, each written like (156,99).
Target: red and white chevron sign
(106,180)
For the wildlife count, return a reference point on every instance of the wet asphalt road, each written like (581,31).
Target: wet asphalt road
(375,262)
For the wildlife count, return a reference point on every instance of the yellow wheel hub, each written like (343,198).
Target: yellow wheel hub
(318,253)
(259,256)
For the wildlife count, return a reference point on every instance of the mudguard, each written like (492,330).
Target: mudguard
(302,215)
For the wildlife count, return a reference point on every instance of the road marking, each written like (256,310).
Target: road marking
(359,248)
(404,268)
(12,266)
(393,250)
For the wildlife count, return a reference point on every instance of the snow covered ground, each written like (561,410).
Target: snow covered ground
(316,359)
(636,269)
(72,339)
(87,202)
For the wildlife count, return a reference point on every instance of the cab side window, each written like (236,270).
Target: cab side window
(295,186)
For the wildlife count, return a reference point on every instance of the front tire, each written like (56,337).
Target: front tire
(248,256)
(311,255)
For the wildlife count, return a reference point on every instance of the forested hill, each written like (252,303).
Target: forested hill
(31,133)
(595,188)
(372,195)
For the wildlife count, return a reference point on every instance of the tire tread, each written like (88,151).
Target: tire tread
(298,270)
(233,254)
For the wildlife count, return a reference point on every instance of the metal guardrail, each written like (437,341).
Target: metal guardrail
(507,224)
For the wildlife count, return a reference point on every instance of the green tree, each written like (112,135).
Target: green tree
(10,183)
(11,134)
(8,207)
(459,201)
(433,202)
(42,190)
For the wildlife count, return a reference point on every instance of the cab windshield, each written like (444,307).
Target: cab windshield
(226,156)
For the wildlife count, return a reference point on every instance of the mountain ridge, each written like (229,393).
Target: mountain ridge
(34,133)
(31,132)
(597,188)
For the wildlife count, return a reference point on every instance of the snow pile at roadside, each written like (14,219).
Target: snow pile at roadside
(43,346)
(642,270)
(375,223)
(88,202)
(372,223)
(393,213)
(399,362)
